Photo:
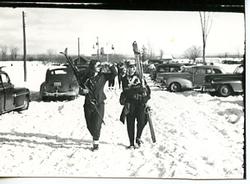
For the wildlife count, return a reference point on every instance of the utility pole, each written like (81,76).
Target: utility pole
(107,52)
(97,43)
(79,50)
(24,49)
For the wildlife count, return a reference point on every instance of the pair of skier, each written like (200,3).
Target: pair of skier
(134,97)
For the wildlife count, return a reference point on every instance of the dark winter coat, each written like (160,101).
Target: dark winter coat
(94,101)
(96,85)
(133,95)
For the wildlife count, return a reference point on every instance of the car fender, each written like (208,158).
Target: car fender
(19,95)
(185,83)
(236,86)
(42,88)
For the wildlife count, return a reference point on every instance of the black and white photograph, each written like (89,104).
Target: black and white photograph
(122,93)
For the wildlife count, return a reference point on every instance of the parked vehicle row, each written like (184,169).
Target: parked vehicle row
(208,78)
(60,83)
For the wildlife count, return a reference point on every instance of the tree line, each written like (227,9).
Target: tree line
(51,56)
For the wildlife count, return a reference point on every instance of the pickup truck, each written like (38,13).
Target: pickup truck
(189,77)
(12,98)
(225,84)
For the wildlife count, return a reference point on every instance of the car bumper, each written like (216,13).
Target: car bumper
(207,88)
(59,94)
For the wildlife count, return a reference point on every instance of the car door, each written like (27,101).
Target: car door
(2,96)
(8,91)
(199,76)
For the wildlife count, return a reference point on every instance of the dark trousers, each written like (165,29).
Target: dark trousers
(136,113)
(119,81)
(111,83)
(93,119)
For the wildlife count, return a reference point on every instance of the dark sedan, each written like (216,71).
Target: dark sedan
(12,98)
(225,84)
(60,83)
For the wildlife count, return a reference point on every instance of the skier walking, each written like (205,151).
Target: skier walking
(94,99)
(134,98)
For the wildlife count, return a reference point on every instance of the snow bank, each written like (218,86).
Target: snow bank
(198,137)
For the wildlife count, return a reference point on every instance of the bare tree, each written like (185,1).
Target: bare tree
(13,53)
(206,24)
(192,53)
(151,54)
(144,53)
(4,49)
(161,53)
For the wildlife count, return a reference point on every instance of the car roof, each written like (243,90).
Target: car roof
(203,66)
(169,64)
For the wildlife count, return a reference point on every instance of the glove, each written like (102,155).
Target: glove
(83,91)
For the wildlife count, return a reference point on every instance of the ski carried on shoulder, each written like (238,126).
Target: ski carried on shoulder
(139,68)
(72,66)
(78,78)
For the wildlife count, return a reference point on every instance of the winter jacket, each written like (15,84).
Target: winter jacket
(96,84)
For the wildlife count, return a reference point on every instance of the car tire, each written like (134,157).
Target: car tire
(224,90)
(175,87)
(212,93)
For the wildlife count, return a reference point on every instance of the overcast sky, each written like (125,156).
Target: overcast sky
(173,32)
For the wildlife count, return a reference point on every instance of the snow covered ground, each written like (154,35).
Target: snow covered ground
(198,136)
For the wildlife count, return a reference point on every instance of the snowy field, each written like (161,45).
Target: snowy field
(198,136)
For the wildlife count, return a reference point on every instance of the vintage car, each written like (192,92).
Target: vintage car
(60,83)
(225,84)
(12,98)
(149,63)
(189,77)
(165,68)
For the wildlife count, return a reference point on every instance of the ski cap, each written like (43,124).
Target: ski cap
(131,62)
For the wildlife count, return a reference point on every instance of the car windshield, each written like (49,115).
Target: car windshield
(58,72)
(239,69)
(186,69)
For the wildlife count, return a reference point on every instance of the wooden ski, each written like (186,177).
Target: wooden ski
(139,68)
(72,66)
(81,84)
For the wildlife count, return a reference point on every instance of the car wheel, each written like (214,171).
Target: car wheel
(175,87)
(212,93)
(25,103)
(225,90)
